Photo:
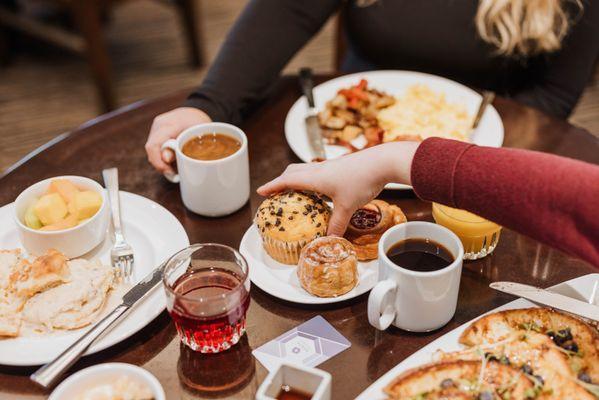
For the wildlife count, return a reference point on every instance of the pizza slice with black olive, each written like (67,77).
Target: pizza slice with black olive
(536,355)
(577,341)
(462,379)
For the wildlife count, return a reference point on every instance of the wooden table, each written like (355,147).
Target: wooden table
(117,139)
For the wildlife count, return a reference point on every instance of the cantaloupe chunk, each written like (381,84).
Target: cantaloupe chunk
(31,220)
(68,222)
(64,187)
(85,204)
(50,208)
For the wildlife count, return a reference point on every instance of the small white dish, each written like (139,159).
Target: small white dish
(155,235)
(72,242)
(395,83)
(102,374)
(313,381)
(280,280)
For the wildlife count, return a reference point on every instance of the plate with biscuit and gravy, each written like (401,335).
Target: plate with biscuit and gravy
(56,279)
(361,110)
(292,258)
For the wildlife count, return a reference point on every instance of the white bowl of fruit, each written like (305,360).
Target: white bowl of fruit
(66,213)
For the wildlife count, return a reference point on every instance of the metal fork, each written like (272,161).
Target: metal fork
(121,254)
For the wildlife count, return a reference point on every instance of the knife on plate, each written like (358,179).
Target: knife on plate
(312,126)
(47,375)
(548,298)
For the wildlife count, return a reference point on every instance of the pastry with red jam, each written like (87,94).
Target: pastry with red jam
(368,224)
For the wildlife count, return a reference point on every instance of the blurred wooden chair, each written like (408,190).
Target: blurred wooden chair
(88,16)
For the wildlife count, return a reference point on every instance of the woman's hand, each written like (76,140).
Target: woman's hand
(350,181)
(168,126)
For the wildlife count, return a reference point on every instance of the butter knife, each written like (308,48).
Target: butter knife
(47,375)
(312,126)
(487,99)
(548,298)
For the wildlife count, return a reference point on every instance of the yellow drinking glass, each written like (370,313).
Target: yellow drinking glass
(478,235)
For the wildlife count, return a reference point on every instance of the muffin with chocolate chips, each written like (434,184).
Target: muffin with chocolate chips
(288,221)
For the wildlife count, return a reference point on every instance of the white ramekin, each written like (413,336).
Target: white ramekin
(76,384)
(73,242)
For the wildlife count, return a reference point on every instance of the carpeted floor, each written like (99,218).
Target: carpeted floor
(45,91)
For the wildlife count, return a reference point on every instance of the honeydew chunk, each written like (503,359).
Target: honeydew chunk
(85,204)
(31,220)
(50,208)
(64,187)
(68,222)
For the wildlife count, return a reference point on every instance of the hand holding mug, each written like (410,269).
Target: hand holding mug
(168,126)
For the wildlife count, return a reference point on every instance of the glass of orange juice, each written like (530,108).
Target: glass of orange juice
(478,235)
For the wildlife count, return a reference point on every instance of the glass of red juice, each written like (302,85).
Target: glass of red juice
(207,295)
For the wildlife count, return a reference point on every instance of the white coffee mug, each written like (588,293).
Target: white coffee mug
(212,187)
(412,300)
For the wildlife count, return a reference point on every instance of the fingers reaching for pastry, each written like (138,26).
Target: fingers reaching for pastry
(339,220)
(295,177)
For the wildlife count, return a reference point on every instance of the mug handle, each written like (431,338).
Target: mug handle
(381,311)
(172,145)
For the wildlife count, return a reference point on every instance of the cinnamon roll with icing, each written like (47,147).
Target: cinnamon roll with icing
(328,267)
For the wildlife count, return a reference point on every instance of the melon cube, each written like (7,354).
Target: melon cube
(31,220)
(68,222)
(64,187)
(85,204)
(50,208)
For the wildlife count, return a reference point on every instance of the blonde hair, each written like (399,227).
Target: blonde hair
(520,27)
(524,27)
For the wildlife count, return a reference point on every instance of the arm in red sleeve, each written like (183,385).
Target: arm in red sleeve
(552,199)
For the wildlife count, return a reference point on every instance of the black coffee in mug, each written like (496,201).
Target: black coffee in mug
(420,254)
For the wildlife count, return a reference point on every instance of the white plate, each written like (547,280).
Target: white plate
(280,280)
(155,235)
(488,133)
(582,288)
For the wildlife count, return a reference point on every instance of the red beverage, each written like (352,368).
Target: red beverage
(209,308)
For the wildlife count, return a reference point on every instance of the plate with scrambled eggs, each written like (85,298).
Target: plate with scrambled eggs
(365,109)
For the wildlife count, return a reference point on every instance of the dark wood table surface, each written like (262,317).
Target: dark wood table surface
(117,139)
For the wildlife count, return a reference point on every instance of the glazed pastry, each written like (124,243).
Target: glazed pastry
(290,220)
(368,224)
(328,267)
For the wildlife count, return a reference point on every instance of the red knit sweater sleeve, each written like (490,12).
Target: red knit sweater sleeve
(552,199)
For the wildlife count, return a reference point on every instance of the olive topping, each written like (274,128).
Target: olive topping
(571,346)
(504,360)
(584,377)
(539,379)
(526,369)
(365,219)
(447,383)
(486,395)
(565,334)
(491,357)
(562,336)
